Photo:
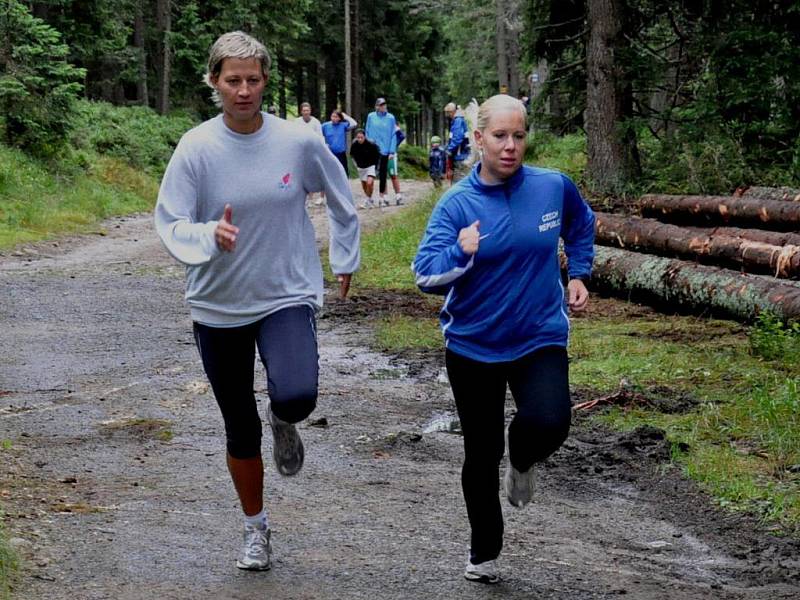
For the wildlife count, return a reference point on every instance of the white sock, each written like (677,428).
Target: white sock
(260,520)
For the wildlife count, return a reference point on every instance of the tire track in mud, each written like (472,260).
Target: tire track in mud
(114,484)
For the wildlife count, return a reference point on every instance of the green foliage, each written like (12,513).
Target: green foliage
(8,564)
(399,332)
(565,153)
(772,339)
(387,253)
(413,161)
(38,86)
(135,134)
(470,70)
(36,203)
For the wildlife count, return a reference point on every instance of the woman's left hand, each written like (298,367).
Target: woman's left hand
(577,295)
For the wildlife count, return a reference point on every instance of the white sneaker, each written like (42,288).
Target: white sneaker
(382,201)
(319,201)
(287,447)
(519,486)
(485,572)
(398,199)
(257,552)
(368,203)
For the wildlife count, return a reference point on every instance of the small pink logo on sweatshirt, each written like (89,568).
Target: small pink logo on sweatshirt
(286,181)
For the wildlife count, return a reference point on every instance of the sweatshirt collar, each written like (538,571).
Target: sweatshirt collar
(507,186)
(246,138)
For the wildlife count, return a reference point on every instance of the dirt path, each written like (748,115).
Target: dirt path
(114,483)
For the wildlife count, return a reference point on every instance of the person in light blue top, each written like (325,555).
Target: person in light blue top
(458,147)
(380,129)
(335,134)
(492,249)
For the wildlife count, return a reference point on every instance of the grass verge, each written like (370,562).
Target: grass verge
(740,440)
(37,203)
(8,565)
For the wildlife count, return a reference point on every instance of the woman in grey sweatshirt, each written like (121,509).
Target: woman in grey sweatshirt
(232,208)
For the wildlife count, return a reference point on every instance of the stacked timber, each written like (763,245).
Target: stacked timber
(689,257)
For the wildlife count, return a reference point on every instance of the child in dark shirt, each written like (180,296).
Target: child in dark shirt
(436,161)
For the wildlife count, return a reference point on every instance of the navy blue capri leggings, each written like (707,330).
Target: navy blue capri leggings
(287,344)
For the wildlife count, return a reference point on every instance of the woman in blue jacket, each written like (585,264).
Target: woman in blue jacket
(335,134)
(491,248)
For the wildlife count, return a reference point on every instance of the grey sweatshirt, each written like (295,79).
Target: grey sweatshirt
(265,177)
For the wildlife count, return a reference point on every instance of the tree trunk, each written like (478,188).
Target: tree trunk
(300,88)
(348,58)
(705,245)
(680,284)
(768,193)
(312,84)
(611,146)
(508,27)
(774,238)
(331,85)
(357,106)
(777,215)
(514,27)
(500,37)
(163,27)
(141,54)
(282,66)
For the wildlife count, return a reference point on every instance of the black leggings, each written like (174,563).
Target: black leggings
(540,388)
(287,344)
(342,156)
(383,168)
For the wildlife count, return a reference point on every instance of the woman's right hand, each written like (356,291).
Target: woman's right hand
(226,232)
(469,238)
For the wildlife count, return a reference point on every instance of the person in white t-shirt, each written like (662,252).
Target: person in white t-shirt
(310,121)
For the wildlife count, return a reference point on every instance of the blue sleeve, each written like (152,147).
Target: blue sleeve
(456,136)
(393,140)
(368,127)
(440,261)
(577,231)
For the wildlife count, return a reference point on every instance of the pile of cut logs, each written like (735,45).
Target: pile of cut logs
(732,256)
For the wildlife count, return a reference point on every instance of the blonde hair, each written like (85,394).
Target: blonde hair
(498,103)
(234,44)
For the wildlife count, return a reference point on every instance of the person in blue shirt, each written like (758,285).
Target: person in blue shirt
(392,167)
(380,129)
(491,248)
(335,134)
(436,161)
(458,148)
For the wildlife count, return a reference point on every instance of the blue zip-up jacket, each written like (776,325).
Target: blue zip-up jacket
(458,145)
(507,300)
(380,129)
(335,135)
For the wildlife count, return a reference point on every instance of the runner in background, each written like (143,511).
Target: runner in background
(380,129)
(366,155)
(335,134)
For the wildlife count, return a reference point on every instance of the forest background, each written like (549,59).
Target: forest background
(693,96)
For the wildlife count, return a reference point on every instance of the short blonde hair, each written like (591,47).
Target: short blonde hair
(498,103)
(234,44)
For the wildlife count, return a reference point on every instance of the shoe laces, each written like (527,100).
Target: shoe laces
(256,541)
